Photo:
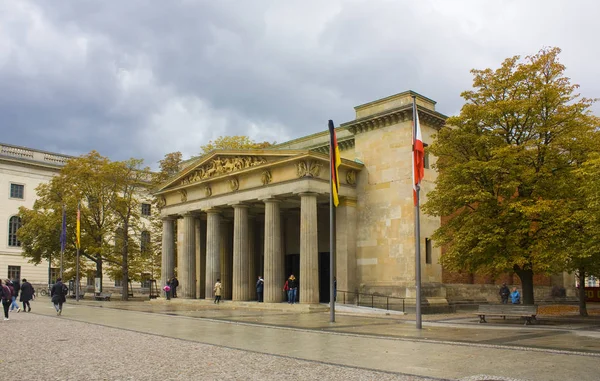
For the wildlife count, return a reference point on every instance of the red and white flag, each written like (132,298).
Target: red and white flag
(418,153)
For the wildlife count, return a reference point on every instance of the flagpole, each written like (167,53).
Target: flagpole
(417,231)
(331,233)
(78,245)
(62,242)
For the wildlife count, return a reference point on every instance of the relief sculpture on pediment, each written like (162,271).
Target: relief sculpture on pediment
(221,166)
(308,168)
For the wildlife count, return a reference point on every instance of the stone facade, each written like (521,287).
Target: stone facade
(286,188)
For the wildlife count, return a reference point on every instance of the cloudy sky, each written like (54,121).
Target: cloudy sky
(141,78)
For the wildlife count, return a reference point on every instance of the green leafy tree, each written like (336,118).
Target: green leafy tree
(505,165)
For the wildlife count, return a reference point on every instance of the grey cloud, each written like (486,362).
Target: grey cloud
(140,79)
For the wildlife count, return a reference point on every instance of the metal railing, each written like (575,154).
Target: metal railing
(390,303)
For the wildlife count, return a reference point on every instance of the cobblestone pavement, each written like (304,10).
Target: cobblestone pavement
(218,340)
(51,348)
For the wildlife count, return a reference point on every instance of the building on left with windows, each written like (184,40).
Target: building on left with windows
(21,171)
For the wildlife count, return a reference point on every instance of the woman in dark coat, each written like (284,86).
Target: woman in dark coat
(26,295)
(58,292)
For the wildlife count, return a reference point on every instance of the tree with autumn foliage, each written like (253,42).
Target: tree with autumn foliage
(506,164)
(109,194)
(576,234)
(233,143)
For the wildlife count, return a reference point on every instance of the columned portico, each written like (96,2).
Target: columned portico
(273,255)
(213,250)
(168,250)
(309,252)
(247,214)
(240,253)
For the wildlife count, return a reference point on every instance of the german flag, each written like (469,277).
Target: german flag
(334,156)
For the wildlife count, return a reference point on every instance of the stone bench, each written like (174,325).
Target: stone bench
(528,312)
(102,296)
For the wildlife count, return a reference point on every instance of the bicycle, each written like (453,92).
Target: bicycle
(44,292)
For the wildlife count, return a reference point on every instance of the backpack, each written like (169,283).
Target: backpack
(6,294)
(65,289)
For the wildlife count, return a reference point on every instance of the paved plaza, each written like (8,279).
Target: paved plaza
(197,340)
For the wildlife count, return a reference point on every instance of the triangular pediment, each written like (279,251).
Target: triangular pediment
(226,162)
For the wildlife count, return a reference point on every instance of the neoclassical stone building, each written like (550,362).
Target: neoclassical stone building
(235,215)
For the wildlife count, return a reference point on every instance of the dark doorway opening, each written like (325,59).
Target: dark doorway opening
(324,277)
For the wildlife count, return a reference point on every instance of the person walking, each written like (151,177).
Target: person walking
(15,289)
(58,292)
(292,289)
(504,293)
(260,287)
(6,297)
(515,297)
(27,292)
(218,289)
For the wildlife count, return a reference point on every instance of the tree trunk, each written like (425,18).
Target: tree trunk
(98,271)
(582,303)
(526,276)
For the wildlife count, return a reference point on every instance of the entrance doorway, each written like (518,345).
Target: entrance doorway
(324,277)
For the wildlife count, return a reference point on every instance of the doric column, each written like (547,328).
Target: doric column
(273,257)
(252,271)
(309,251)
(226,259)
(168,251)
(187,273)
(345,247)
(200,234)
(213,251)
(240,253)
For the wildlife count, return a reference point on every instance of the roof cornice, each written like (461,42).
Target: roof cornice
(394,116)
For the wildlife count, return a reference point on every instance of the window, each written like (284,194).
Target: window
(146,209)
(118,282)
(145,241)
(17,191)
(90,278)
(13,225)
(54,274)
(426,156)
(427,251)
(14,272)
(145,280)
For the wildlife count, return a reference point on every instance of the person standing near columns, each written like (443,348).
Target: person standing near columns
(292,289)
(218,290)
(260,285)
(174,285)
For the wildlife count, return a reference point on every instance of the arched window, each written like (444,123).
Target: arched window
(145,241)
(13,225)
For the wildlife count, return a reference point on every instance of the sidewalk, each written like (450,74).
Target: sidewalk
(555,333)
(455,347)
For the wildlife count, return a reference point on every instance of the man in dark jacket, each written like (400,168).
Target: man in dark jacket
(6,297)
(15,289)
(174,285)
(260,286)
(58,293)
(504,293)
(26,295)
